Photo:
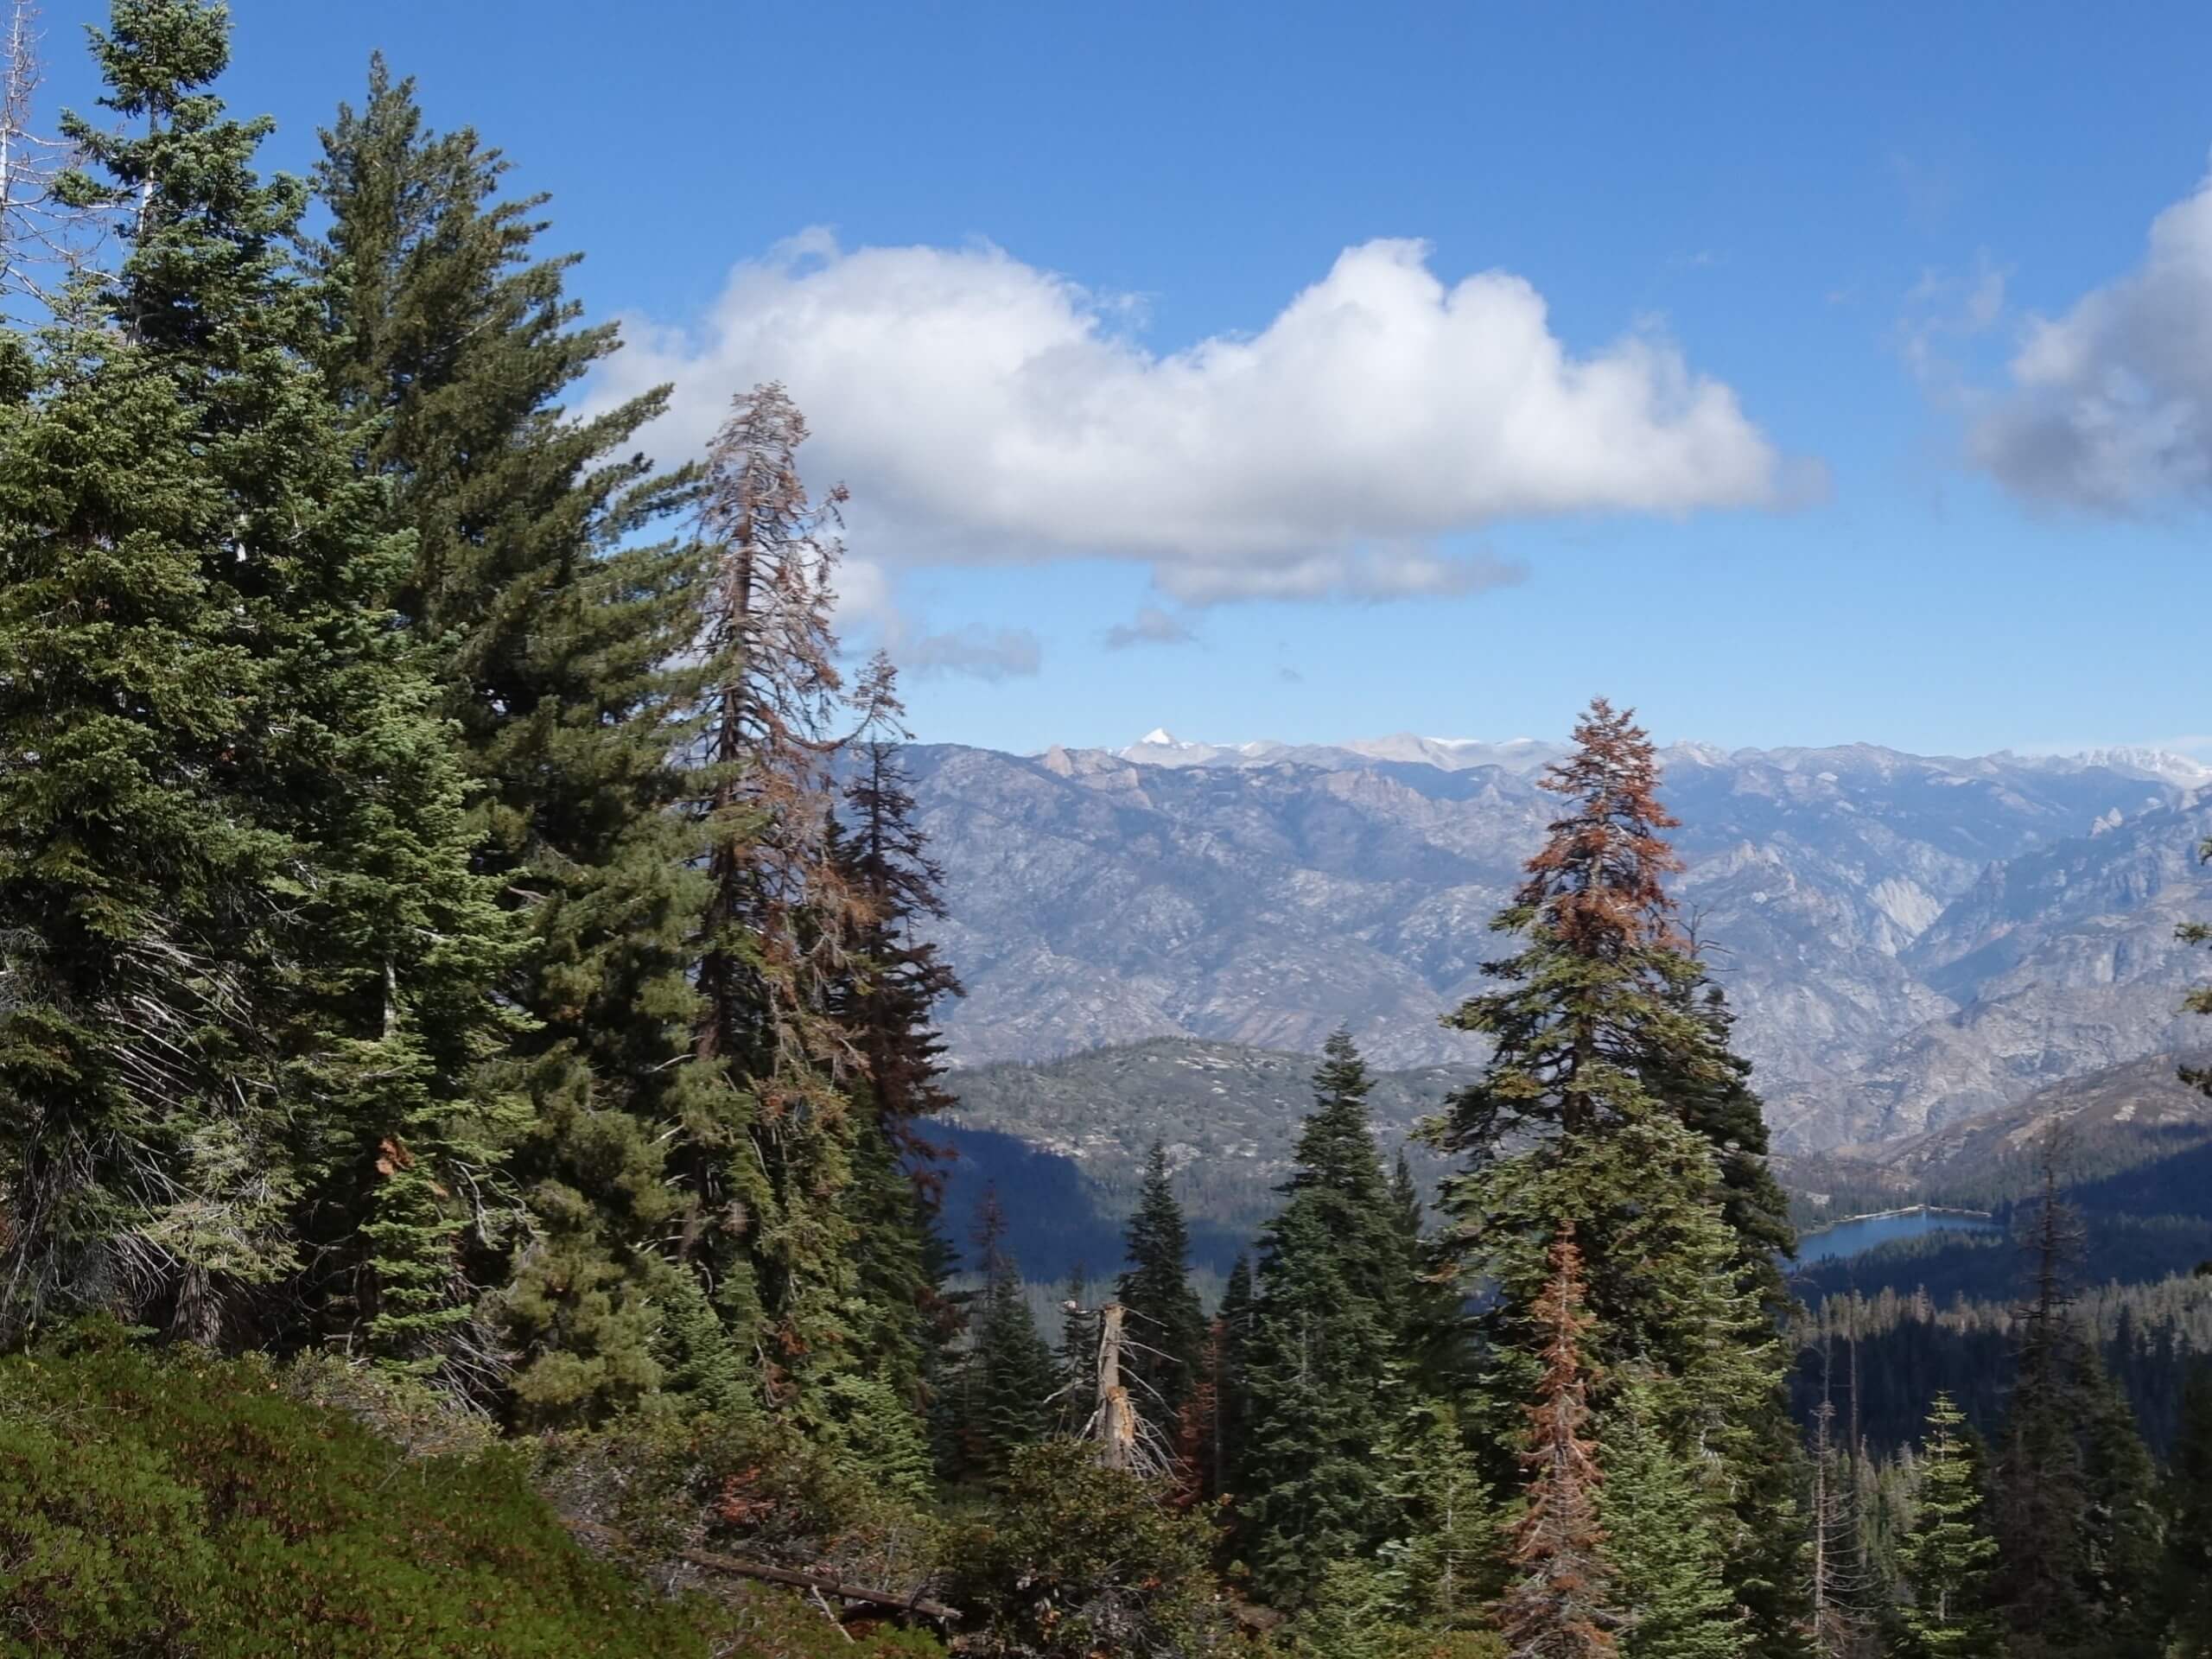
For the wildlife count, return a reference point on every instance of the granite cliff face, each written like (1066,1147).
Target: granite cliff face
(1909,939)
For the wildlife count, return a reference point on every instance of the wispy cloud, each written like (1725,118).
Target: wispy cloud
(979,652)
(1943,310)
(1151,627)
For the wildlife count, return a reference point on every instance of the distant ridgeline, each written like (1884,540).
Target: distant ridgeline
(1057,1217)
(1061,1142)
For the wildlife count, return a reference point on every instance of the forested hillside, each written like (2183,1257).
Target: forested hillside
(479,1168)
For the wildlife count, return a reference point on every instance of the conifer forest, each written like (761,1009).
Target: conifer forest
(477,1115)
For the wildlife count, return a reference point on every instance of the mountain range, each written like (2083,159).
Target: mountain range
(1909,940)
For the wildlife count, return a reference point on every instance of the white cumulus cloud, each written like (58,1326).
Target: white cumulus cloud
(2109,406)
(985,410)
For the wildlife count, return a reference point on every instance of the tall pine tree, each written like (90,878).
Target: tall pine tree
(1597,1110)
(251,975)
(1009,1381)
(892,984)
(1947,1554)
(1325,1367)
(547,579)
(2073,1511)
(1165,1327)
(768,1159)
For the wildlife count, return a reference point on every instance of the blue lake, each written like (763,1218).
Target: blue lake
(1854,1237)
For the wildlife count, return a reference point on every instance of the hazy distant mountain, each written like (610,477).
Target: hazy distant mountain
(1909,938)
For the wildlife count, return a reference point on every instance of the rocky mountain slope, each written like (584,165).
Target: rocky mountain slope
(2119,1118)
(1224,1112)
(1909,940)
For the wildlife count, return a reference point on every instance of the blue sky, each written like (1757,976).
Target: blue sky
(1798,375)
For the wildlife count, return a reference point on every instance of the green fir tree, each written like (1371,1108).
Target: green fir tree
(1075,1357)
(1947,1554)
(252,1046)
(1166,1327)
(1007,1395)
(1444,1559)
(893,982)
(1661,1539)
(2074,1509)
(1596,1111)
(549,580)
(1323,1369)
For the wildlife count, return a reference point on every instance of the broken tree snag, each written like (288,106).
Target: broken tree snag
(1116,1423)
(820,1584)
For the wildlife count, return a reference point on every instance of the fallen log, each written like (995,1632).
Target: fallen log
(737,1567)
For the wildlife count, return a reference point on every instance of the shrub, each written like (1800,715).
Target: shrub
(1079,1559)
(179,1504)
(745,1485)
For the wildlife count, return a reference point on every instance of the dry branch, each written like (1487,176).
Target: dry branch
(820,1584)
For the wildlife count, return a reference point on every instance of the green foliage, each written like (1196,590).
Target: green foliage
(1322,1369)
(256,976)
(2075,1511)
(1003,1390)
(1444,1557)
(2188,1528)
(1663,1538)
(1350,1613)
(887,997)
(1947,1552)
(1078,1559)
(1612,1107)
(1166,1327)
(1075,1358)
(186,1505)
(555,621)
(871,1425)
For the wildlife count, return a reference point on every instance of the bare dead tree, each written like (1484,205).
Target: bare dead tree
(777,956)
(44,238)
(1842,1588)
(781,910)
(1125,1440)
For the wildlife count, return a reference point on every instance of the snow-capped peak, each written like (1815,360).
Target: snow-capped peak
(1159,738)
(2158,763)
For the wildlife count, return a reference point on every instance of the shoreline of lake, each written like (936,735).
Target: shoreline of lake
(1850,1235)
(1909,1210)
